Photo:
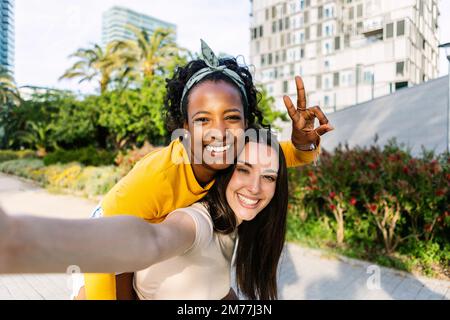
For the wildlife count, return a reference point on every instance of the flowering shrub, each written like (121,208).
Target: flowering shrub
(380,199)
(72,177)
(127,159)
(6,155)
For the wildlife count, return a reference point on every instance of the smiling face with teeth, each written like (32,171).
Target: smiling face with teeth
(216,123)
(253,183)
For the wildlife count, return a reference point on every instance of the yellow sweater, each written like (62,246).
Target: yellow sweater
(158,184)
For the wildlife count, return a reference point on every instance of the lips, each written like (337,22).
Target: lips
(247,202)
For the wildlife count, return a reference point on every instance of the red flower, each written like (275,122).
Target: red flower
(440,192)
(373,207)
(332,195)
(353,201)
(332,207)
(428,228)
(372,166)
(405,170)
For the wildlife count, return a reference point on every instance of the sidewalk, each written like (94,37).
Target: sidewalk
(303,274)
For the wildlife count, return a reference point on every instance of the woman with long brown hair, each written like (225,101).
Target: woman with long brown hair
(189,254)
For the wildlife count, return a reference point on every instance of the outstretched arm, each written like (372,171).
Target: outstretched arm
(123,243)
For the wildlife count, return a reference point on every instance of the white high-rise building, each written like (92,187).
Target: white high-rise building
(116,19)
(347,51)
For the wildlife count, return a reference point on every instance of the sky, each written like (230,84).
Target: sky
(48,31)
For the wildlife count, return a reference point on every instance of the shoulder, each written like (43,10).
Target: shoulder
(195,217)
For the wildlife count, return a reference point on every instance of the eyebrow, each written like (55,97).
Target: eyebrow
(226,111)
(265,171)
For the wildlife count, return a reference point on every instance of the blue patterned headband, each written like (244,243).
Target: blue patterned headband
(212,63)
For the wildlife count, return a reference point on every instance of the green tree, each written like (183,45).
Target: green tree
(148,55)
(266,104)
(8,90)
(97,64)
(134,115)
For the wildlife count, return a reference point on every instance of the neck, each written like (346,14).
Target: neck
(202,174)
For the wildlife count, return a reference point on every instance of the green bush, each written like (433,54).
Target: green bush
(378,201)
(89,156)
(72,177)
(6,155)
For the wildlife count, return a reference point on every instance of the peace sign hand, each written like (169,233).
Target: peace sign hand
(303,132)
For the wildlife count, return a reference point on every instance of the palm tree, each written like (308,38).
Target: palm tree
(96,63)
(150,53)
(8,89)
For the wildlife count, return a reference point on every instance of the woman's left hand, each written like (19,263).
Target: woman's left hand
(303,131)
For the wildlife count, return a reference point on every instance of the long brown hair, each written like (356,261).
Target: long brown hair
(261,240)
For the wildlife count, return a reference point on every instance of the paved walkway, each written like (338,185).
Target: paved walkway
(304,273)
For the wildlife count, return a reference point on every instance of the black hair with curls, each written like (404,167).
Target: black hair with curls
(175,118)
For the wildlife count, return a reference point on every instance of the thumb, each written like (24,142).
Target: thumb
(324,129)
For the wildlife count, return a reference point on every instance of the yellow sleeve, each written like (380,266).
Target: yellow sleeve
(139,194)
(295,157)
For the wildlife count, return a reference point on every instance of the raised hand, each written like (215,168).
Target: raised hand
(303,131)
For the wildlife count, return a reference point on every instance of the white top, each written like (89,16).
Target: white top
(202,272)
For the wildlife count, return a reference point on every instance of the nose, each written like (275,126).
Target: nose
(219,131)
(254,184)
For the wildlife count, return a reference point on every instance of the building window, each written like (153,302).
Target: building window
(319,12)
(326,101)
(389,30)
(285,86)
(274,27)
(368,77)
(282,40)
(319,30)
(336,79)
(359,10)
(350,13)
(346,40)
(399,69)
(286,23)
(327,31)
(319,82)
(274,12)
(337,43)
(327,48)
(270,59)
(326,64)
(307,33)
(306,17)
(302,53)
(263,59)
(302,4)
(267,14)
(280,25)
(260,31)
(400,28)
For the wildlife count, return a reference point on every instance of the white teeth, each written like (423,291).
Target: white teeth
(247,200)
(218,148)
